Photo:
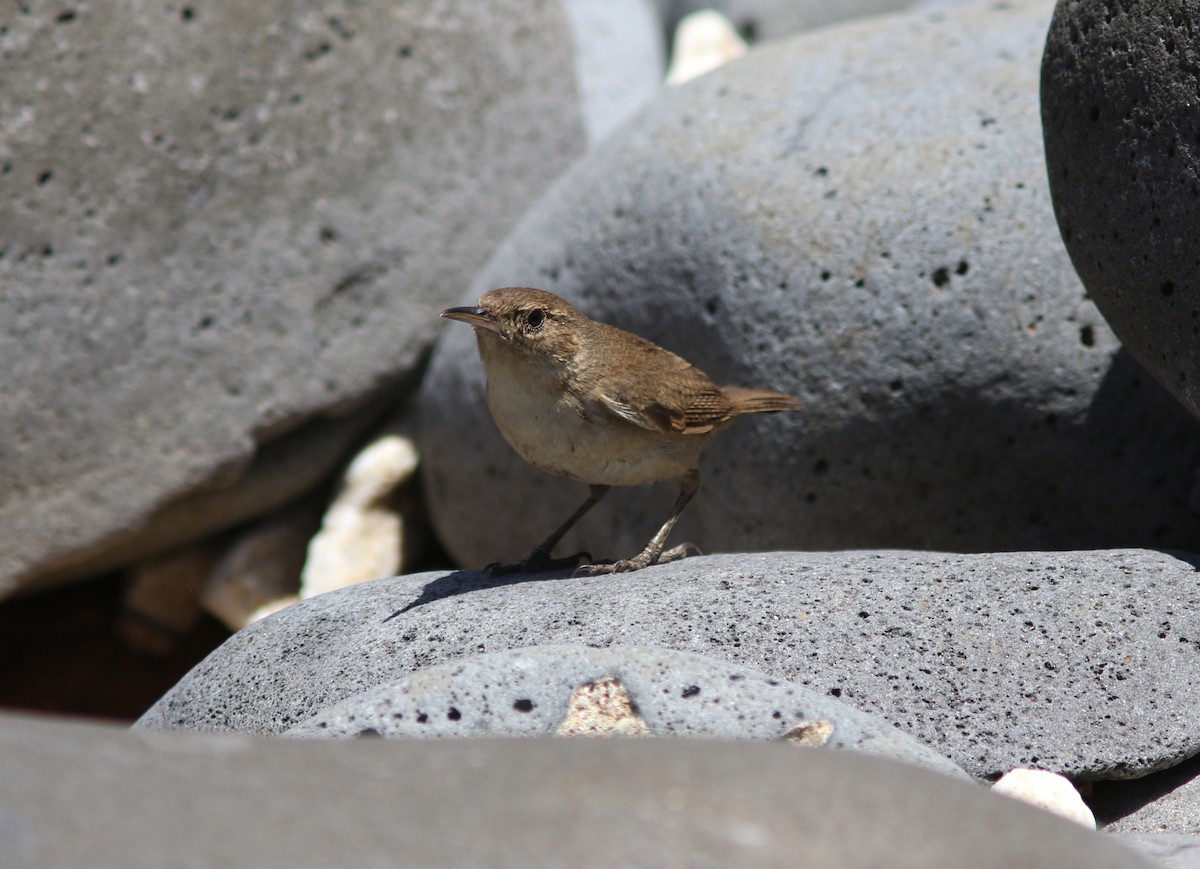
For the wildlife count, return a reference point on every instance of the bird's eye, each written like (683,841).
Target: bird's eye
(536,318)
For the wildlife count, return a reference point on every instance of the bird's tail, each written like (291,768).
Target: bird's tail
(747,400)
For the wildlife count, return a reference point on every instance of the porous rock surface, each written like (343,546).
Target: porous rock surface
(858,217)
(532,691)
(1083,663)
(1119,97)
(219,222)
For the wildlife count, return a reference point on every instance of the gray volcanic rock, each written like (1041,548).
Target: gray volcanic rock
(221,221)
(533,692)
(1083,663)
(1123,153)
(83,795)
(858,217)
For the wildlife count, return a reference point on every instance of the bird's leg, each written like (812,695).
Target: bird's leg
(540,559)
(653,553)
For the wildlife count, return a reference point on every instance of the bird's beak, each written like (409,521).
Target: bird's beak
(480,318)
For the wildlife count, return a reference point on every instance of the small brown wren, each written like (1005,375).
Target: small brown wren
(584,400)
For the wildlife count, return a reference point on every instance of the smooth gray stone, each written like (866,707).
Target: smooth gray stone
(221,221)
(1170,850)
(1083,663)
(620,60)
(858,217)
(528,692)
(1122,151)
(82,795)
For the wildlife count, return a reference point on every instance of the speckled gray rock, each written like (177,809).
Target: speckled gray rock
(1083,663)
(529,692)
(1119,106)
(858,217)
(76,795)
(219,221)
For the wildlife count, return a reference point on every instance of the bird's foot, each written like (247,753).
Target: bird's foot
(536,562)
(644,559)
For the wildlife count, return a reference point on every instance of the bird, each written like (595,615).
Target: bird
(581,399)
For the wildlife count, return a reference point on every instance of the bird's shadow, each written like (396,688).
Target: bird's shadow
(466,581)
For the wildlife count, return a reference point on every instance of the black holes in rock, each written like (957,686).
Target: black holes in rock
(896,385)
(940,276)
(404,52)
(1167,289)
(186,14)
(523,705)
(690,691)
(821,171)
(422,718)
(835,692)
(205,324)
(339,27)
(368,733)
(328,235)
(45,177)
(820,467)
(863,614)
(963,266)
(826,275)
(318,51)
(712,305)
(749,30)
(1094,114)
(65,17)
(1087,336)
(454,714)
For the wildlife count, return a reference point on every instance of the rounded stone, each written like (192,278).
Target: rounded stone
(1119,98)
(145,799)
(219,228)
(542,690)
(860,218)
(1084,663)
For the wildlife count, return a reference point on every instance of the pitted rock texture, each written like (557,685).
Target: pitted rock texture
(531,692)
(1083,663)
(858,217)
(221,221)
(1119,96)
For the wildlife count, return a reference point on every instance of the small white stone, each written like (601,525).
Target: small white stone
(260,571)
(703,41)
(362,534)
(1046,790)
(161,599)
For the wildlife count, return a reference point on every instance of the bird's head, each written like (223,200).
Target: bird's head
(526,320)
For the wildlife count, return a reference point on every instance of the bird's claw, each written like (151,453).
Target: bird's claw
(645,559)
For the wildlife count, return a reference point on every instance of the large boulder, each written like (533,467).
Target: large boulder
(1083,663)
(138,799)
(1123,151)
(858,217)
(223,226)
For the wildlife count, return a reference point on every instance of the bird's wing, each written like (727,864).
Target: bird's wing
(670,398)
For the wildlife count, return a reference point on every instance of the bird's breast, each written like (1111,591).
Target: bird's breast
(564,433)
